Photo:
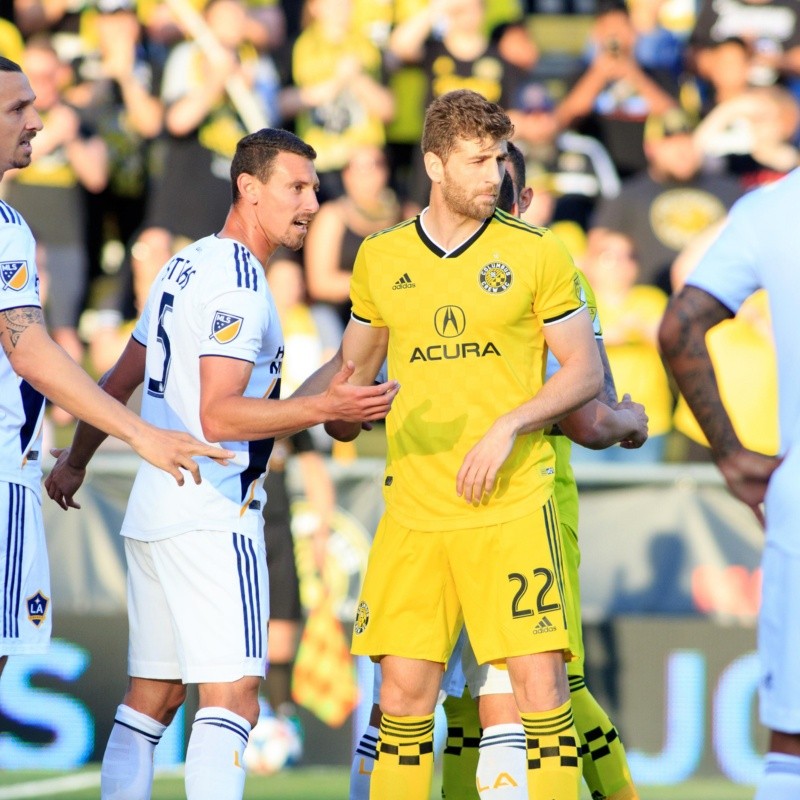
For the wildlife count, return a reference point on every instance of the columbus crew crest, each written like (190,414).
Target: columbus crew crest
(14,275)
(37,608)
(362,618)
(225,327)
(495,277)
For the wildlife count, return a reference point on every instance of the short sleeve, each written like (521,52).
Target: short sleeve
(19,279)
(591,304)
(233,324)
(558,292)
(364,309)
(729,268)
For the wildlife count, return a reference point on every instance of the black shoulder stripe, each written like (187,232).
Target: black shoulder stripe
(514,222)
(393,228)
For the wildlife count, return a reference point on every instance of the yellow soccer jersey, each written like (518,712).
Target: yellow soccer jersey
(466,344)
(566,489)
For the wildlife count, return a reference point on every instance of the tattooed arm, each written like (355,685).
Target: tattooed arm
(36,358)
(682,336)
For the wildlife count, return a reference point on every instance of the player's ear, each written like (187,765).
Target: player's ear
(525,199)
(248,187)
(434,166)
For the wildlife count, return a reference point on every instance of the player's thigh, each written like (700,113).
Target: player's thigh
(408,605)
(510,581)
(25,602)
(779,640)
(216,590)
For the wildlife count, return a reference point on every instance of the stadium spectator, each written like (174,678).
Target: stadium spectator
(449,40)
(665,205)
(770,28)
(118,91)
(612,95)
(367,206)
(753,134)
(339,73)
(574,170)
(214,90)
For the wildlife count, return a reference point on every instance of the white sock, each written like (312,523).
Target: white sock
(127,771)
(503,763)
(363,764)
(781,778)
(214,768)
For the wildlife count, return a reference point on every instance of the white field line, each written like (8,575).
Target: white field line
(50,786)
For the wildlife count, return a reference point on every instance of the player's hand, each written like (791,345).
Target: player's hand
(481,465)
(747,474)
(173,451)
(347,402)
(639,420)
(64,480)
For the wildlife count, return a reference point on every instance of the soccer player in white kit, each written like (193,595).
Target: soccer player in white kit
(32,366)
(758,247)
(209,348)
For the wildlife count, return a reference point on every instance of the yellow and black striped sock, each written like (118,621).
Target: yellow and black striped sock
(554,763)
(605,766)
(460,759)
(404,768)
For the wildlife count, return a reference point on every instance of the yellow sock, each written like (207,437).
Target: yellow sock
(605,767)
(554,764)
(460,759)
(404,768)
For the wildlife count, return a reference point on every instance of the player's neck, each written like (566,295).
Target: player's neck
(446,227)
(238,228)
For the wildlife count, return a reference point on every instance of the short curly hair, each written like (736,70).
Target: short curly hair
(462,114)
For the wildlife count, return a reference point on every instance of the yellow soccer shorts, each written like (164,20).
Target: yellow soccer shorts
(505,582)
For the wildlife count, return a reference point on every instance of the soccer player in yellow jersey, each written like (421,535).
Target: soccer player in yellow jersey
(599,424)
(466,301)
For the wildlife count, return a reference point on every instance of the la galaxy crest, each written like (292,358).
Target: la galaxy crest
(14,275)
(225,327)
(495,277)
(37,608)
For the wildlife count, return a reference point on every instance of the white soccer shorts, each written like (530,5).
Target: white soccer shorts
(198,607)
(26,607)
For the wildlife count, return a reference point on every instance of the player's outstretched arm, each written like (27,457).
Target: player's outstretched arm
(364,346)
(168,450)
(682,336)
(226,415)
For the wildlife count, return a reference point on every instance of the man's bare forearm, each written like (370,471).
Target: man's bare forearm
(682,337)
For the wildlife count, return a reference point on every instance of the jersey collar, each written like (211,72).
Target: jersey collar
(437,249)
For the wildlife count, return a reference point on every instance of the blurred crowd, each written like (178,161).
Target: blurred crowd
(641,123)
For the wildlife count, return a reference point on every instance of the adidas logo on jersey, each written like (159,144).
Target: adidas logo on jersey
(404,282)
(543,626)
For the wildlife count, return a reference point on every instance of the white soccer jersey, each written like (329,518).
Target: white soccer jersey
(211,299)
(21,406)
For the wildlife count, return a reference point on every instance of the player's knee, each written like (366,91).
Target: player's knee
(539,681)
